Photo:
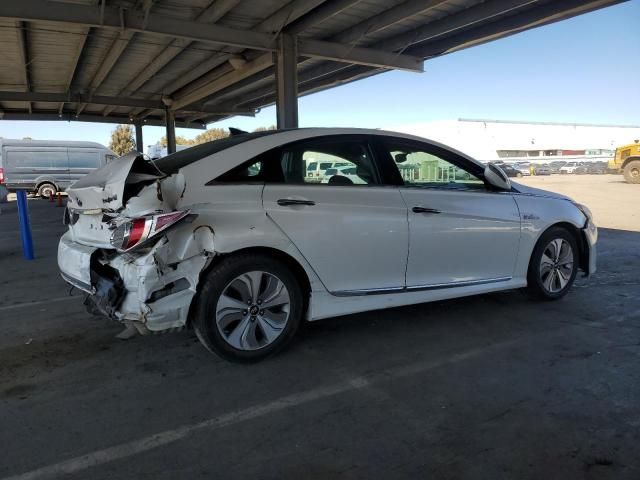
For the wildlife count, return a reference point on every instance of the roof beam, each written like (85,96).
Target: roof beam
(355,33)
(255,66)
(23,51)
(216,66)
(74,64)
(116,50)
(135,21)
(103,100)
(330,73)
(542,15)
(319,14)
(385,19)
(71,117)
(214,12)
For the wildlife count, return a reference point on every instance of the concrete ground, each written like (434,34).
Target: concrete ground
(494,386)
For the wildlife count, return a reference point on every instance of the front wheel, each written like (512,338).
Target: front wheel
(519,175)
(553,265)
(249,307)
(632,172)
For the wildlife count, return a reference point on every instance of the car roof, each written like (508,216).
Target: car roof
(258,142)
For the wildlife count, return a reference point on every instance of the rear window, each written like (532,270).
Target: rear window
(312,166)
(174,162)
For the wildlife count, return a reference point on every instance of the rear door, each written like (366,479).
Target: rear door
(82,161)
(354,235)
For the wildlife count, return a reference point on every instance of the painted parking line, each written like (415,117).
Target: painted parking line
(16,306)
(144,444)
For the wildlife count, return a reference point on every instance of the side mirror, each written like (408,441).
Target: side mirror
(400,157)
(496,177)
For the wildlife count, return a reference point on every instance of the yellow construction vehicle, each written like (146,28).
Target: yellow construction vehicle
(627,161)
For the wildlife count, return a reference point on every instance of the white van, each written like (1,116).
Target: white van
(48,166)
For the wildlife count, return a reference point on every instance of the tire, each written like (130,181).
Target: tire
(549,286)
(518,174)
(45,190)
(632,172)
(240,333)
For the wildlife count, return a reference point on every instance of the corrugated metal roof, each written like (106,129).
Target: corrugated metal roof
(131,69)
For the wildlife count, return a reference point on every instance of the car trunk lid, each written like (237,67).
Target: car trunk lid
(107,189)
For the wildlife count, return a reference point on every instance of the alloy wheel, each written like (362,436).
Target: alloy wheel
(556,265)
(253,310)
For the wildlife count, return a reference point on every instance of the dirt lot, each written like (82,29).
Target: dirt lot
(494,386)
(614,203)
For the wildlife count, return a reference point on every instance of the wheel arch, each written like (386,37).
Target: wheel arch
(43,181)
(293,264)
(628,160)
(578,236)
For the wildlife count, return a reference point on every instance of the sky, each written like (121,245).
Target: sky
(582,70)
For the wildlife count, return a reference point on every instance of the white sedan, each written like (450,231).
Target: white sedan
(229,238)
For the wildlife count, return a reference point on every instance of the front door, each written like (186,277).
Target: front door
(351,229)
(460,232)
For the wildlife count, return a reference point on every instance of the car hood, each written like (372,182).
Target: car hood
(538,192)
(104,188)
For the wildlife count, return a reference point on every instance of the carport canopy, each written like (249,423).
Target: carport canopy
(188,63)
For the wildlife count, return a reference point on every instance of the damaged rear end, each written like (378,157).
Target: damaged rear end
(131,248)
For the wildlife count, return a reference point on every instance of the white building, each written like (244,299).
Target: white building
(494,139)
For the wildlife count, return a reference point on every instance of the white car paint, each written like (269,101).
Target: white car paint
(354,242)
(570,167)
(344,172)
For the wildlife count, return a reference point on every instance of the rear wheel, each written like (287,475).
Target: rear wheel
(553,265)
(632,172)
(46,190)
(248,307)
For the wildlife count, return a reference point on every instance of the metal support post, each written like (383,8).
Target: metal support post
(25,226)
(287,81)
(171,130)
(139,143)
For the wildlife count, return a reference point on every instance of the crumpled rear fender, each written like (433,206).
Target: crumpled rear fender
(162,282)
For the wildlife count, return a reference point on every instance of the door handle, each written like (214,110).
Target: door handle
(424,210)
(285,202)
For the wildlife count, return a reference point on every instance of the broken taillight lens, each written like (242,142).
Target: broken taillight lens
(136,232)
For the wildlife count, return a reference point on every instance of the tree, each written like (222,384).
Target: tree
(264,129)
(122,141)
(179,141)
(210,135)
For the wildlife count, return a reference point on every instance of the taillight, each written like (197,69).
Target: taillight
(1,176)
(136,232)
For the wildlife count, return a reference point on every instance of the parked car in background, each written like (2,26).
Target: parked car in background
(342,175)
(141,242)
(597,168)
(509,170)
(48,166)
(523,168)
(542,170)
(556,165)
(317,170)
(570,167)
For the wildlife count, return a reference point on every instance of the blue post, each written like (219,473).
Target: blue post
(25,227)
